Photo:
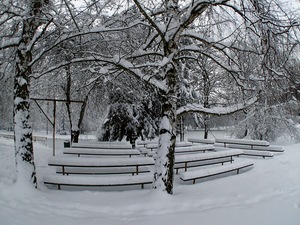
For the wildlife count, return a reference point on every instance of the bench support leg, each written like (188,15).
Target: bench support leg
(137,170)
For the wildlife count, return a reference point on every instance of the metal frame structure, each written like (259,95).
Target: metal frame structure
(53,123)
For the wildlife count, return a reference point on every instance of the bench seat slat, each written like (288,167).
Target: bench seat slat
(197,174)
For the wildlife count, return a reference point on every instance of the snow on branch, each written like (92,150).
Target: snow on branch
(9,43)
(198,108)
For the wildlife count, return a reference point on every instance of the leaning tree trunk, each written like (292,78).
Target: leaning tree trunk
(164,164)
(22,125)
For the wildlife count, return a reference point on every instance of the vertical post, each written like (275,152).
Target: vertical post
(54,125)
(47,118)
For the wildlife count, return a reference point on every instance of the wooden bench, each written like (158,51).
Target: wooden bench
(154,146)
(195,148)
(144,143)
(270,148)
(251,143)
(204,159)
(101,145)
(68,162)
(102,171)
(259,153)
(39,139)
(208,172)
(101,152)
(201,141)
(98,181)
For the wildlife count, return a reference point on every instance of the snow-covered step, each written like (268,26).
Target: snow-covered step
(208,172)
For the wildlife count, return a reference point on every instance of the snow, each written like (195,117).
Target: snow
(243,142)
(207,156)
(215,170)
(100,162)
(268,194)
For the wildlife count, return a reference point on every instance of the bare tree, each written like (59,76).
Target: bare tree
(28,22)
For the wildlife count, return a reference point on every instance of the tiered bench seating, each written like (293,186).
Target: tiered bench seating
(68,162)
(97,181)
(208,172)
(204,159)
(201,141)
(101,152)
(251,147)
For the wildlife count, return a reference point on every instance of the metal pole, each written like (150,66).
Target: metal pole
(54,126)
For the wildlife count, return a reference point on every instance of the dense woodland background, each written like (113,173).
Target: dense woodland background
(149,68)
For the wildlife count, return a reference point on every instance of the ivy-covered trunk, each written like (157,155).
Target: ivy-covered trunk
(164,164)
(22,125)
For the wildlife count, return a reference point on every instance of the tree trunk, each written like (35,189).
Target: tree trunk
(22,126)
(164,164)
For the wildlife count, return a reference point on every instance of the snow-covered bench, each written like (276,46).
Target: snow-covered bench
(208,172)
(144,143)
(100,145)
(201,141)
(250,143)
(75,162)
(154,146)
(101,152)
(270,148)
(259,153)
(195,148)
(98,181)
(204,159)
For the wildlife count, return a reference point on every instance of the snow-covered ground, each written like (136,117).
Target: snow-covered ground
(267,194)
